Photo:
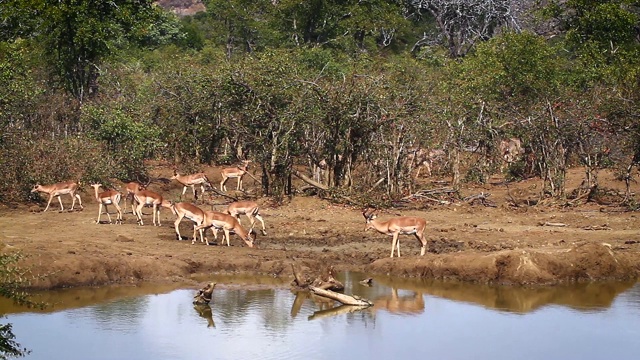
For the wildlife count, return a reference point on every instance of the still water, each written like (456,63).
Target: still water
(410,319)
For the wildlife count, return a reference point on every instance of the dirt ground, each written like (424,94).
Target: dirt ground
(504,244)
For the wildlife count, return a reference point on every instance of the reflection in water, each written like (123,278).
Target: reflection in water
(586,296)
(406,304)
(410,318)
(205,312)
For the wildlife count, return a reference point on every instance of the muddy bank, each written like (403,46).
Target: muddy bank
(502,244)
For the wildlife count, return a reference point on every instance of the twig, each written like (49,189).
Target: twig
(552,224)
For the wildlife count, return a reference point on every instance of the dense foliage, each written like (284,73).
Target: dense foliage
(12,279)
(92,90)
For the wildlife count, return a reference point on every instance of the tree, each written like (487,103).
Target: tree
(77,35)
(462,23)
(602,36)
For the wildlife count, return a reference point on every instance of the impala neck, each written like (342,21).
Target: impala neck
(97,194)
(240,231)
(380,226)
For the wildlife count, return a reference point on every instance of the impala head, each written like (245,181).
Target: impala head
(95,186)
(368,216)
(36,188)
(175,175)
(250,238)
(167,204)
(171,205)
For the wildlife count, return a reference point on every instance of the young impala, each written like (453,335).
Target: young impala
(186,210)
(131,188)
(249,208)
(228,224)
(406,225)
(237,172)
(58,189)
(149,198)
(191,181)
(108,197)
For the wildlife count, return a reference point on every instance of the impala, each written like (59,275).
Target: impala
(131,188)
(108,197)
(58,189)
(192,181)
(249,208)
(510,150)
(228,224)
(149,198)
(422,158)
(237,172)
(186,210)
(405,225)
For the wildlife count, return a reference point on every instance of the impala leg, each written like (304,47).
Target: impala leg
(214,230)
(423,242)
(184,190)
(60,201)
(73,200)
(106,209)
(131,202)
(195,229)
(156,214)
(48,203)
(264,230)
(119,211)
(398,247)
(222,185)
(99,213)
(393,243)
(138,212)
(226,234)
(176,225)
(194,234)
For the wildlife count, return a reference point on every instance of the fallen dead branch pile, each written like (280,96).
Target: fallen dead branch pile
(441,196)
(325,286)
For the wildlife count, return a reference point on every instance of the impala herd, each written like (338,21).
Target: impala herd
(229,221)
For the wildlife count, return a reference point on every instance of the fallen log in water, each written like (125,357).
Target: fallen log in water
(342,298)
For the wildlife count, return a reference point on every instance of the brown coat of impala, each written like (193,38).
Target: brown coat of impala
(226,223)
(236,172)
(131,189)
(105,198)
(249,208)
(405,225)
(191,181)
(187,210)
(148,198)
(63,188)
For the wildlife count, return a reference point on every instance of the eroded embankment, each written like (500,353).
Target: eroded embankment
(584,262)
